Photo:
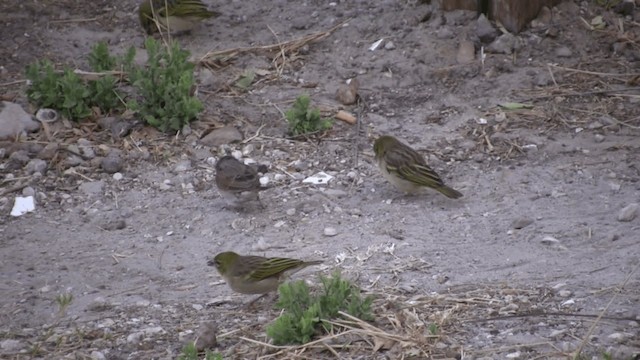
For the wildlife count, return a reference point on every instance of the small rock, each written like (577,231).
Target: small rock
(466,52)
(629,212)
(112,163)
(86,148)
(97,355)
(14,121)
(113,224)
(485,30)
(336,193)
(504,44)
(444,33)
(514,355)
(521,223)
(291,211)
(206,336)
(197,307)
(222,136)
(11,345)
(598,138)
(389,45)
(550,240)
(135,337)
(330,231)
(117,176)
(182,166)
(348,94)
(17,160)
(49,151)
(36,165)
(563,51)
(92,187)
(618,337)
(564,293)
(99,304)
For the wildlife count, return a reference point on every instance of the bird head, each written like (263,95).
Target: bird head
(224,261)
(383,144)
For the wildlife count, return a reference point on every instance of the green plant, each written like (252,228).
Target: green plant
(64,300)
(305,120)
(304,313)
(189,352)
(100,60)
(67,92)
(165,87)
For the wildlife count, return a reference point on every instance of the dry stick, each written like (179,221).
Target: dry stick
(593,327)
(595,92)
(72,21)
(305,39)
(280,68)
(614,75)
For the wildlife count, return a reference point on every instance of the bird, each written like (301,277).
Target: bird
(172,15)
(406,168)
(256,274)
(237,183)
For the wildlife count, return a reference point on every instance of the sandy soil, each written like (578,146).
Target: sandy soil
(521,266)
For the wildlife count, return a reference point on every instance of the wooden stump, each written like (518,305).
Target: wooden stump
(513,14)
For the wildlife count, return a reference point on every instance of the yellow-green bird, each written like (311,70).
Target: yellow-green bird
(255,274)
(406,168)
(172,15)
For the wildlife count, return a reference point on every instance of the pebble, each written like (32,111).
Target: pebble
(444,33)
(521,223)
(513,355)
(618,337)
(207,336)
(86,148)
(598,138)
(550,240)
(629,212)
(330,231)
(389,45)
(291,211)
(466,52)
(97,355)
(14,120)
(563,51)
(11,345)
(197,307)
(117,176)
(564,293)
(92,187)
(28,191)
(222,136)
(112,163)
(504,44)
(182,166)
(36,165)
(485,30)
(17,160)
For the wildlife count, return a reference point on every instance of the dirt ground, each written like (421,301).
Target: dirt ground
(535,261)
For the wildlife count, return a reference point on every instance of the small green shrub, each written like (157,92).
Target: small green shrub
(304,120)
(68,93)
(164,86)
(304,313)
(189,352)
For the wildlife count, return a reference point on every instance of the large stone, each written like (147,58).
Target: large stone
(14,121)
(222,136)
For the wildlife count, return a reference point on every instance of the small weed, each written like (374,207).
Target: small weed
(304,120)
(67,92)
(304,313)
(164,87)
(63,301)
(189,352)
(433,329)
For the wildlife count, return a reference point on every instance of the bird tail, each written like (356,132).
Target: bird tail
(449,192)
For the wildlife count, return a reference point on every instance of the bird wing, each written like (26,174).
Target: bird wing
(272,267)
(420,174)
(247,179)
